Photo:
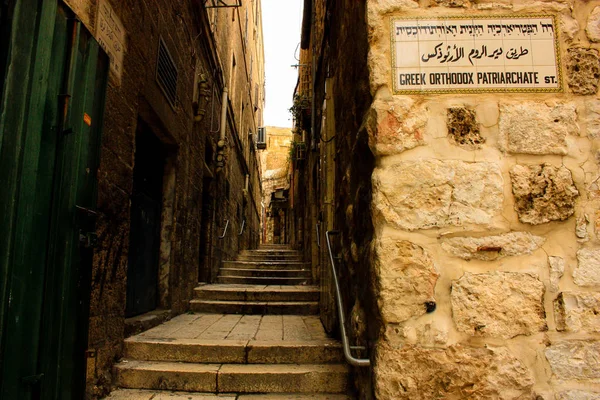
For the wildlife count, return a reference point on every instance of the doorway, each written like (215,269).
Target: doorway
(51,106)
(144,236)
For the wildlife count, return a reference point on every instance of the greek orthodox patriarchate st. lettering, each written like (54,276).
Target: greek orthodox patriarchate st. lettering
(475,54)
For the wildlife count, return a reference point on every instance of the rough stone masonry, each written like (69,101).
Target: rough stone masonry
(487,206)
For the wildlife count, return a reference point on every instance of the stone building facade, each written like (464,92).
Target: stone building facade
(468,222)
(183,168)
(275,163)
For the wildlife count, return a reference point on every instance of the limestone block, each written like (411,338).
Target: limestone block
(543,193)
(536,128)
(463,128)
(581,227)
(569,27)
(576,312)
(406,277)
(377,9)
(499,304)
(583,70)
(593,25)
(592,118)
(587,272)
(575,360)
(493,247)
(426,194)
(452,3)
(557,269)
(457,372)
(577,395)
(395,126)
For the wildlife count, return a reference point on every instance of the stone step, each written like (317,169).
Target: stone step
(233,378)
(272,251)
(293,396)
(275,273)
(254,280)
(255,307)
(233,351)
(137,394)
(266,265)
(269,257)
(257,292)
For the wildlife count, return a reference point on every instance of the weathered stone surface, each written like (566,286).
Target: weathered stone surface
(452,3)
(583,70)
(581,228)
(575,359)
(407,279)
(493,247)
(426,194)
(587,272)
(463,128)
(557,269)
(577,395)
(569,27)
(593,25)
(536,128)
(576,312)
(500,304)
(592,118)
(543,193)
(458,372)
(395,126)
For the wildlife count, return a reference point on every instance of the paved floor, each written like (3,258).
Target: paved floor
(240,327)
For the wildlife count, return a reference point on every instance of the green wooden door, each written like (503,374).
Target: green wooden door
(50,123)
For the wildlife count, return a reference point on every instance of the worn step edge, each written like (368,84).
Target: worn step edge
(233,378)
(264,267)
(234,351)
(266,273)
(257,295)
(255,307)
(167,376)
(141,394)
(283,378)
(263,261)
(252,280)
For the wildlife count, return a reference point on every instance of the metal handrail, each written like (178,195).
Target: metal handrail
(357,362)
(318,235)
(225,230)
(243,226)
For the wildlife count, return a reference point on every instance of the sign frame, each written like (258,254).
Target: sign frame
(559,70)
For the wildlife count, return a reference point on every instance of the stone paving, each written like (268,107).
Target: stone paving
(240,341)
(240,327)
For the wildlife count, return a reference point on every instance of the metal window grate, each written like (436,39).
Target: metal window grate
(166,73)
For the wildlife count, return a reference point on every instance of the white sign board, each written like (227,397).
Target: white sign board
(110,34)
(475,55)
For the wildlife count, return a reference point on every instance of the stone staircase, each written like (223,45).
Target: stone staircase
(254,334)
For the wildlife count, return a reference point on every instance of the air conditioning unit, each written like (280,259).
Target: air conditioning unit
(261,140)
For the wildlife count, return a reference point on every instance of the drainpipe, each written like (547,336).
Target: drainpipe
(221,142)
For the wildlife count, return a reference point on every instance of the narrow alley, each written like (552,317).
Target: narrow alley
(299,199)
(257,331)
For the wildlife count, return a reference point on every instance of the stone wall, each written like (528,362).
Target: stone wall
(197,197)
(275,167)
(487,222)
